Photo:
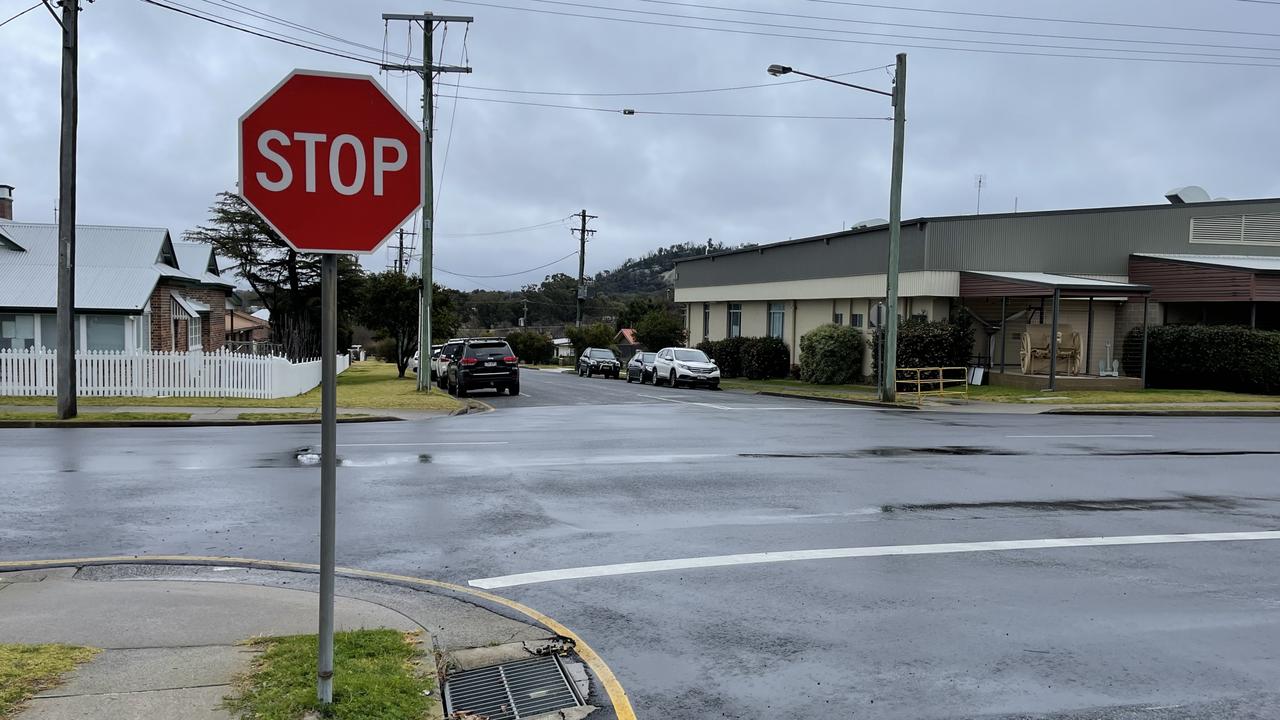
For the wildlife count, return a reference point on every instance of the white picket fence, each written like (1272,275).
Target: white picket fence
(162,374)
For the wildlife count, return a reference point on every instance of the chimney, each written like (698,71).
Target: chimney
(6,202)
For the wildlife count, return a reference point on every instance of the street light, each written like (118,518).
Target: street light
(888,369)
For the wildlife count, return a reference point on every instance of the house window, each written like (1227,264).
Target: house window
(142,324)
(49,332)
(735,320)
(17,332)
(837,318)
(706,320)
(855,320)
(776,316)
(193,333)
(105,332)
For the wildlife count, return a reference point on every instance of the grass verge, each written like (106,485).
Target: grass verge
(992,393)
(801,389)
(93,416)
(27,669)
(1212,408)
(376,675)
(293,416)
(368,384)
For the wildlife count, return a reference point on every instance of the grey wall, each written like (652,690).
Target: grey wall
(1082,242)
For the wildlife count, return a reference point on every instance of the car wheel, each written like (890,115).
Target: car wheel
(514,389)
(629,380)
(674,383)
(433,374)
(461,389)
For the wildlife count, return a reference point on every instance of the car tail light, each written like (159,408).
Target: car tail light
(511,359)
(469,361)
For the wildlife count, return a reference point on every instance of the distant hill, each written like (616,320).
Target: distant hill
(644,276)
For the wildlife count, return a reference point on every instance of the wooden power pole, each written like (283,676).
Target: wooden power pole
(583,232)
(66,352)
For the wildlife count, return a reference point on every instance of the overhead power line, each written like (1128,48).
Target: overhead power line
(649,93)
(511,274)
(633,111)
(758,33)
(946,28)
(259,32)
(1072,21)
(24,12)
(866,33)
(508,231)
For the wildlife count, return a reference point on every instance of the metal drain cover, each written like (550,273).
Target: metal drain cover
(512,691)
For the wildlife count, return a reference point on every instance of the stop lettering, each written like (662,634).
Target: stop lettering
(331,162)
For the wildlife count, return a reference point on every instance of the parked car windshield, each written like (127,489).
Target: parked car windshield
(601,354)
(488,349)
(648,357)
(691,355)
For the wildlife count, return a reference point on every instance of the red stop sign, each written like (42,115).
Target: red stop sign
(331,162)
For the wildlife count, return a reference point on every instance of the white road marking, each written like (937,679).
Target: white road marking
(688,402)
(524,395)
(415,444)
(1080,436)
(855,552)
(666,399)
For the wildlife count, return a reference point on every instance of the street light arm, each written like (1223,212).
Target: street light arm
(841,82)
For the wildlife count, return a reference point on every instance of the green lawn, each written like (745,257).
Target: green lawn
(93,417)
(992,393)
(796,387)
(28,669)
(368,384)
(377,674)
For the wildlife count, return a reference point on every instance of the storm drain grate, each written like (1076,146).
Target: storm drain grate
(512,691)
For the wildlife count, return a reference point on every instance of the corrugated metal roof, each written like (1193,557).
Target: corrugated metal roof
(116,267)
(1244,262)
(1051,280)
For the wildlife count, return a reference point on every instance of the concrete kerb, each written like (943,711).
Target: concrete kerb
(609,682)
(842,401)
(1226,412)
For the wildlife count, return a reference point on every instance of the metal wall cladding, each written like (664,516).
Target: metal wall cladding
(1082,242)
(839,255)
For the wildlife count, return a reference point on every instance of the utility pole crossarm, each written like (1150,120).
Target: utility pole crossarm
(422,68)
(423,17)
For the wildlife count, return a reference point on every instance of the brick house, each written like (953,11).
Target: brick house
(136,289)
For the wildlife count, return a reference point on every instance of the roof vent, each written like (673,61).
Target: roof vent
(6,202)
(870,222)
(1188,194)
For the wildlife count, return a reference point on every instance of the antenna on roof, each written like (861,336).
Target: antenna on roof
(978,181)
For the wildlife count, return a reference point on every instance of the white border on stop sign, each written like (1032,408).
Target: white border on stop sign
(422,153)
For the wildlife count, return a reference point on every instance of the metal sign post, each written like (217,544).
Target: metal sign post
(372,151)
(328,467)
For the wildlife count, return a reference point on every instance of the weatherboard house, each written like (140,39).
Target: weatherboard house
(136,289)
(1192,260)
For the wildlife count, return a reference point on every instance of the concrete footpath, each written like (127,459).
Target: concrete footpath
(216,414)
(172,637)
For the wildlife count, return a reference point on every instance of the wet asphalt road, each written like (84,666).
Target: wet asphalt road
(639,474)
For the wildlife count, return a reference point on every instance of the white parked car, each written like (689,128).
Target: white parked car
(676,366)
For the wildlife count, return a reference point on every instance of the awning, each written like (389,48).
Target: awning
(193,308)
(1037,284)
(1208,278)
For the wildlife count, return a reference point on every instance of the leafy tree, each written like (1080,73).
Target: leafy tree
(287,282)
(596,335)
(636,308)
(446,312)
(389,307)
(531,347)
(659,329)
(831,355)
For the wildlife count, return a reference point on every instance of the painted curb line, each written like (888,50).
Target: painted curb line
(617,695)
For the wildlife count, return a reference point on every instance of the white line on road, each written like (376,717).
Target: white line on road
(855,552)
(687,402)
(1079,436)
(524,395)
(415,444)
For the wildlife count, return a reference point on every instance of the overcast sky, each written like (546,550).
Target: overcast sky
(161,94)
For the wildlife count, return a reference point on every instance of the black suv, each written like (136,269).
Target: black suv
(483,363)
(599,360)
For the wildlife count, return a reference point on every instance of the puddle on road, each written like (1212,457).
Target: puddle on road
(309,457)
(1182,502)
(892,452)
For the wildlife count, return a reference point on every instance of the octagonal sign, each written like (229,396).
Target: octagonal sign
(331,162)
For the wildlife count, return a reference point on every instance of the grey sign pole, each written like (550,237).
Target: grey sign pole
(328,467)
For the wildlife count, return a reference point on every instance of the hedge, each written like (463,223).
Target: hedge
(1208,357)
(757,358)
(831,355)
(922,343)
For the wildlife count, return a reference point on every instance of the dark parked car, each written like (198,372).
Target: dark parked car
(484,363)
(600,361)
(640,369)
